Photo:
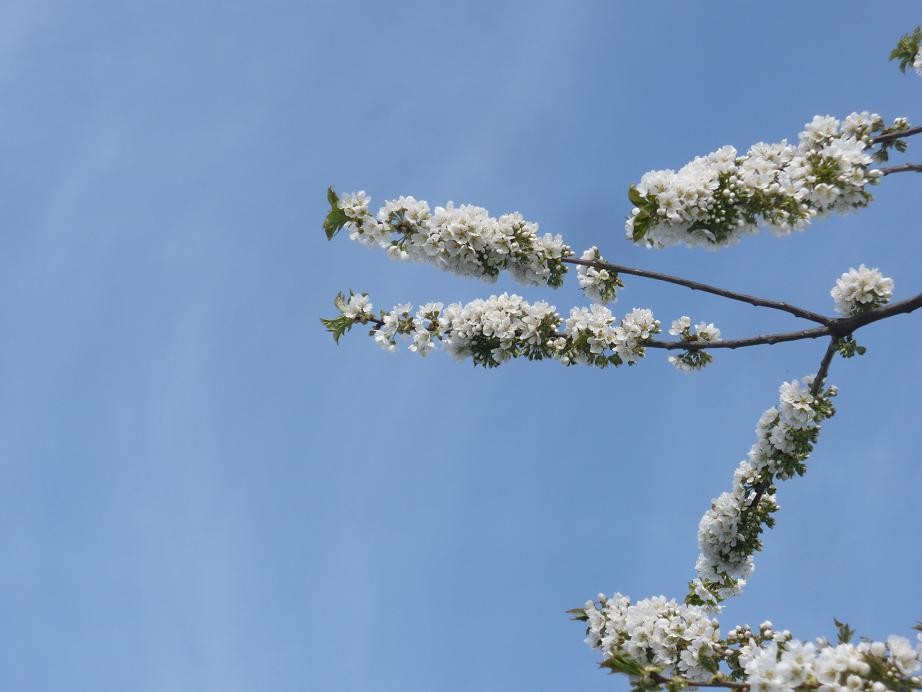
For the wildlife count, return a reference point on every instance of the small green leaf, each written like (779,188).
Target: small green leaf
(641,224)
(844,632)
(636,198)
(334,222)
(338,326)
(337,218)
(578,614)
(620,662)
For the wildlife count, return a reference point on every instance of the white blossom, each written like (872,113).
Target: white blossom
(861,289)
(600,285)
(716,199)
(464,240)
(358,307)
(692,359)
(675,637)
(784,439)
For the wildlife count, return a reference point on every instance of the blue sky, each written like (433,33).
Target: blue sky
(199,491)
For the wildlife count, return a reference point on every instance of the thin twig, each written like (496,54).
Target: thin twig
(905,168)
(698,286)
(769,339)
(823,370)
(899,134)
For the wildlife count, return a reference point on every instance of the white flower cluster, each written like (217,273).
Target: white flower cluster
(917,63)
(785,665)
(358,308)
(595,339)
(862,289)
(689,361)
(663,644)
(717,199)
(464,240)
(729,531)
(502,327)
(678,639)
(600,285)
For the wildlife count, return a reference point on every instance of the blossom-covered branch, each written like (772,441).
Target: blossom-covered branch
(729,532)
(861,296)
(463,240)
(662,644)
(715,200)
(503,327)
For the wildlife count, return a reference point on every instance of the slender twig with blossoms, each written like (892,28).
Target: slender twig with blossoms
(713,201)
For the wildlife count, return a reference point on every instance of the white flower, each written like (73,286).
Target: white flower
(917,63)
(723,537)
(655,631)
(359,307)
(858,290)
(464,240)
(355,204)
(706,331)
(715,200)
(598,284)
(903,655)
(679,326)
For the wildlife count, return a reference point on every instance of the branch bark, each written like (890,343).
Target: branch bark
(706,288)
(880,139)
(905,168)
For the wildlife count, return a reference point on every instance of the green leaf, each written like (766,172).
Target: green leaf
(636,198)
(709,664)
(641,224)
(578,614)
(844,632)
(620,662)
(338,326)
(337,218)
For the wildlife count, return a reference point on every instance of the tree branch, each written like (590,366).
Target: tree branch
(817,385)
(846,325)
(823,370)
(706,288)
(837,328)
(778,338)
(899,134)
(905,168)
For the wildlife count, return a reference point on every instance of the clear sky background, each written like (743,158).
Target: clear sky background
(199,491)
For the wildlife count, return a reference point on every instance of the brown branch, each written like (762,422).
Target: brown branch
(769,339)
(846,325)
(698,286)
(823,370)
(905,168)
(899,134)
